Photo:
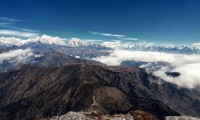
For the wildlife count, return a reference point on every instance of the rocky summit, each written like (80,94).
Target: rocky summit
(133,115)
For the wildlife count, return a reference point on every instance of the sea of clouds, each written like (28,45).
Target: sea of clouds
(187,65)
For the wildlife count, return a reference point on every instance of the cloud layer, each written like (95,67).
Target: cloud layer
(196,44)
(187,65)
(16,56)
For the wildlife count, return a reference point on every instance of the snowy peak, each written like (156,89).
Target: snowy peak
(112,44)
(47,40)
(9,41)
(4,41)
(118,44)
(74,42)
(152,47)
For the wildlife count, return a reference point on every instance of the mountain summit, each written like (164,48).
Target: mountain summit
(46,40)
(74,42)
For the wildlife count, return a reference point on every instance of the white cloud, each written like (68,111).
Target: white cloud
(125,38)
(7,22)
(3,24)
(196,44)
(107,34)
(189,77)
(8,29)
(16,33)
(187,65)
(118,36)
(9,19)
(93,40)
(16,56)
(28,30)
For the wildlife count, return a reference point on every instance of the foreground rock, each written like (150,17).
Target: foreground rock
(181,118)
(71,116)
(133,115)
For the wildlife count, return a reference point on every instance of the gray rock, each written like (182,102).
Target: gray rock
(181,118)
(70,116)
(82,116)
(126,117)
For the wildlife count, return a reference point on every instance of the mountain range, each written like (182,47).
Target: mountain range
(42,77)
(45,41)
(167,48)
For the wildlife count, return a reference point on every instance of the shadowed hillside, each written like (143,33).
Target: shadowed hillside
(37,92)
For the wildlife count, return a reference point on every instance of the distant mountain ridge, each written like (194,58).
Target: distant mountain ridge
(44,39)
(169,48)
(52,59)
(19,42)
(49,41)
(47,44)
(75,42)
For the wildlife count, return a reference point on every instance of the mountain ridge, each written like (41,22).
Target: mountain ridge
(76,42)
(67,88)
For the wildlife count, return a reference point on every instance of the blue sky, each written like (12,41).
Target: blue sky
(158,21)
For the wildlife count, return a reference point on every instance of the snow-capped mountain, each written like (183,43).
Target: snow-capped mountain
(6,41)
(74,42)
(47,43)
(185,49)
(45,40)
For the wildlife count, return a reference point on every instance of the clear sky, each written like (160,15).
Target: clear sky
(158,21)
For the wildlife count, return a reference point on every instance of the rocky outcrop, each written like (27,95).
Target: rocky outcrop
(181,118)
(133,115)
(70,116)
(86,116)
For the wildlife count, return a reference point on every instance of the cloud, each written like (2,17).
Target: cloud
(107,34)
(16,56)
(8,29)
(28,30)
(9,19)
(93,40)
(125,38)
(24,34)
(118,36)
(189,77)
(5,24)
(196,44)
(187,65)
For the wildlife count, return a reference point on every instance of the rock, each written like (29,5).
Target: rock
(138,115)
(70,116)
(181,118)
(90,116)
(124,117)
